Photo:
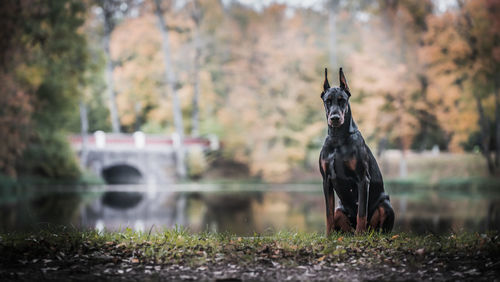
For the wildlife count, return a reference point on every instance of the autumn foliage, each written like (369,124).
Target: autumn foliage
(420,76)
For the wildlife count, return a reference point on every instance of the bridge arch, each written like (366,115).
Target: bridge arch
(122,173)
(153,166)
(152,155)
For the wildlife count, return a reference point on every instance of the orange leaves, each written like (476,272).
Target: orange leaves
(451,55)
(261,74)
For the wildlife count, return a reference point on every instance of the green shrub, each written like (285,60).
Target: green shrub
(49,155)
(196,162)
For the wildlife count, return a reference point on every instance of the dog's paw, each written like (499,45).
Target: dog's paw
(361,227)
(360,231)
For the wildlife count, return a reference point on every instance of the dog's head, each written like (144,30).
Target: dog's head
(336,100)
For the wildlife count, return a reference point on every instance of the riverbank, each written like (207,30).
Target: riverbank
(180,255)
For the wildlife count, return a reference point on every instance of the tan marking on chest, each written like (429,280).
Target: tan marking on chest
(351,163)
(323,165)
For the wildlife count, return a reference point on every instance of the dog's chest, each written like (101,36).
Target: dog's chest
(345,159)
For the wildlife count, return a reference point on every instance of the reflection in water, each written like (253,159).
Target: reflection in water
(241,212)
(228,212)
(493,217)
(99,226)
(121,200)
(139,226)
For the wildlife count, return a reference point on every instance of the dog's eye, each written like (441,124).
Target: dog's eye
(341,101)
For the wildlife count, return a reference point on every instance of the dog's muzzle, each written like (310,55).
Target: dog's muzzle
(335,120)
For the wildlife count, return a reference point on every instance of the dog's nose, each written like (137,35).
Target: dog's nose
(335,118)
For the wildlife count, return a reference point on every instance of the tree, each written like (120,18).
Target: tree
(464,62)
(332,6)
(15,122)
(390,74)
(42,68)
(112,10)
(16,101)
(171,82)
(196,16)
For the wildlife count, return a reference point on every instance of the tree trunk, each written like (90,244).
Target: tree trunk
(113,109)
(497,120)
(404,140)
(403,167)
(484,126)
(172,88)
(195,119)
(332,37)
(84,123)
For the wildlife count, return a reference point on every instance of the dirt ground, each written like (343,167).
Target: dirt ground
(101,268)
(396,258)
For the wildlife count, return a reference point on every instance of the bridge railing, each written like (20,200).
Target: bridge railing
(139,140)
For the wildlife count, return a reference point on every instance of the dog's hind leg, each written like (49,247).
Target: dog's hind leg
(383,218)
(388,221)
(375,221)
(342,221)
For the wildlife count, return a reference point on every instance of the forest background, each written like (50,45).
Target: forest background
(423,74)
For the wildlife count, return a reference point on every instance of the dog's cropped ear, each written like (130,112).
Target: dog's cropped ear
(326,85)
(343,82)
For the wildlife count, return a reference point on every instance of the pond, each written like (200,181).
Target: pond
(242,209)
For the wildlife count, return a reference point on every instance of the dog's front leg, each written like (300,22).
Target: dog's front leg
(329,178)
(363,192)
(330,205)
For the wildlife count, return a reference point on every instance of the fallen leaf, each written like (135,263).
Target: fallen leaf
(340,239)
(321,258)
(134,260)
(121,245)
(395,237)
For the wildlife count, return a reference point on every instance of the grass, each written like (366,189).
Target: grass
(177,250)
(180,246)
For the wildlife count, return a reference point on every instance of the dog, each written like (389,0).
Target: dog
(349,169)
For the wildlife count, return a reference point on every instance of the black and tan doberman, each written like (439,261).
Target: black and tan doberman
(350,170)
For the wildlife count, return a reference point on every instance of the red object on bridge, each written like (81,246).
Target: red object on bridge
(128,139)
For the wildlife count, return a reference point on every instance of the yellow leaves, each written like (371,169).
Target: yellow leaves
(137,35)
(31,75)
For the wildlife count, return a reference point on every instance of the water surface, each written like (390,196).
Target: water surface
(242,209)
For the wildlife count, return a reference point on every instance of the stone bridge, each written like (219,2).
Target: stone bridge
(135,158)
